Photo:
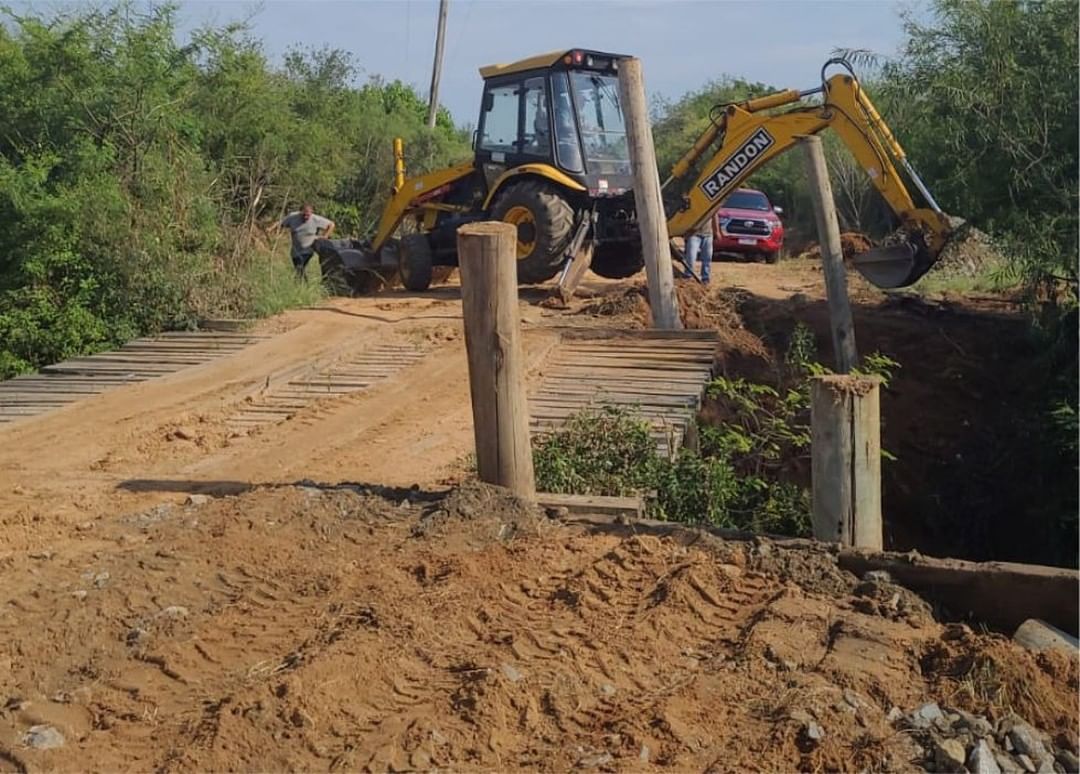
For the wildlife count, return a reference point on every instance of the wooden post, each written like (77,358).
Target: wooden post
(832,256)
(436,67)
(648,203)
(489,299)
(845,448)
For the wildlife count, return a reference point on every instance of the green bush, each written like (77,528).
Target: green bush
(611,451)
(744,474)
(138,171)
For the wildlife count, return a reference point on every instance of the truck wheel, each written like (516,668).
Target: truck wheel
(414,262)
(544,221)
(772,257)
(618,260)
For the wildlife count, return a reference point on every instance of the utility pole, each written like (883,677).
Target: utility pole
(436,69)
(652,224)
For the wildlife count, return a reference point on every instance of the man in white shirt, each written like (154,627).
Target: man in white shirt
(304,226)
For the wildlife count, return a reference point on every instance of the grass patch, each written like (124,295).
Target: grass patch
(991,278)
(273,286)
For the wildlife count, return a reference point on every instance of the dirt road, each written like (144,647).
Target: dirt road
(276,620)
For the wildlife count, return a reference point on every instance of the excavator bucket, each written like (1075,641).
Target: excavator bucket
(889,267)
(900,264)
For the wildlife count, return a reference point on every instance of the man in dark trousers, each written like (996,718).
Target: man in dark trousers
(304,226)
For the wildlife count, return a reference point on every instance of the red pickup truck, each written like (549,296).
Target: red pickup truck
(747,223)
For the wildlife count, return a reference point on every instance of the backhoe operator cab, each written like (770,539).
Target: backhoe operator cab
(551,148)
(550,157)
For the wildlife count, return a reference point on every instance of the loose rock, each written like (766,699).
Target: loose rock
(512,673)
(949,755)
(978,726)
(981,760)
(925,715)
(1026,741)
(197,499)
(43,738)
(1068,760)
(1008,764)
(595,760)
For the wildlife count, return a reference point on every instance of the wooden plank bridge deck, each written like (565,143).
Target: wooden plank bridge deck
(660,375)
(137,361)
(349,374)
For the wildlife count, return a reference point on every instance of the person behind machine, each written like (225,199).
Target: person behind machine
(304,227)
(700,243)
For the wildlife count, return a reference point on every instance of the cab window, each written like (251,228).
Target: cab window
(566,137)
(536,135)
(500,119)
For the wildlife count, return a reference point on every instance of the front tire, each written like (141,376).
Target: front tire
(414,262)
(545,222)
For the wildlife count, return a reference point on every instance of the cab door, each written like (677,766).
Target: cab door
(515,125)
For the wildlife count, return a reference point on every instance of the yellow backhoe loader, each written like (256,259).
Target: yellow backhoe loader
(551,157)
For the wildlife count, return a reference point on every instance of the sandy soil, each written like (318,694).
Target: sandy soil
(299,628)
(289,623)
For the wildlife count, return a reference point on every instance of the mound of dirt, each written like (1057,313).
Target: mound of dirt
(299,628)
(852,243)
(483,511)
(700,308)
(630,303)
(969,253)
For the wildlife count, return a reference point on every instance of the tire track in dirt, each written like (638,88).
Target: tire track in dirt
(293,628)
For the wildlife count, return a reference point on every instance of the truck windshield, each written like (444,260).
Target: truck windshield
(747,200)
(603,132)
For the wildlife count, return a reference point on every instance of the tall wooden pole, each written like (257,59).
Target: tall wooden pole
(487,257)
(436,69)
(845,451)
(832,256)
(647,199)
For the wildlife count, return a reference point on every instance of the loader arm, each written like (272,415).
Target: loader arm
(744,137)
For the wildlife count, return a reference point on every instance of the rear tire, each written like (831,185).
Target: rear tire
(414,262)
(618,261)
(772,258)
(545,222)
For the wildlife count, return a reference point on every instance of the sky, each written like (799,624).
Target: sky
(682,44)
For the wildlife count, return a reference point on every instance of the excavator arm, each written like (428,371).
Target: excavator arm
(743,137)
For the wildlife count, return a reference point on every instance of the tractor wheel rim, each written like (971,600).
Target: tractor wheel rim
(523,219)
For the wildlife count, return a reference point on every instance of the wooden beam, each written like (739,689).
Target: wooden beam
(489,298)
(1001,594)
(1038,635)
(593,504)
(648,203)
